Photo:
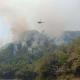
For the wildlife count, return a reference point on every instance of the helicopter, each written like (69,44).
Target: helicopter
(40,22)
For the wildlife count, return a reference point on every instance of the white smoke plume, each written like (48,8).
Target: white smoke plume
(23,15)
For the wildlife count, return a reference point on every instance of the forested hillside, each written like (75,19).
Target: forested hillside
(36,57)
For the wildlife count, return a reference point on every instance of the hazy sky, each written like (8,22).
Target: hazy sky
(57,15)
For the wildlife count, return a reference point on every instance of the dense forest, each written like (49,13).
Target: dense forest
(41,59)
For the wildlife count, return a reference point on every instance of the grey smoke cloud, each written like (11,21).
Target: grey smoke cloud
(33,12)
(53,20)
(57,15)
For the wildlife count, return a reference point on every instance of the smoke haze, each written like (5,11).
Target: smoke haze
(18,27)
(32,12)
(56,15)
